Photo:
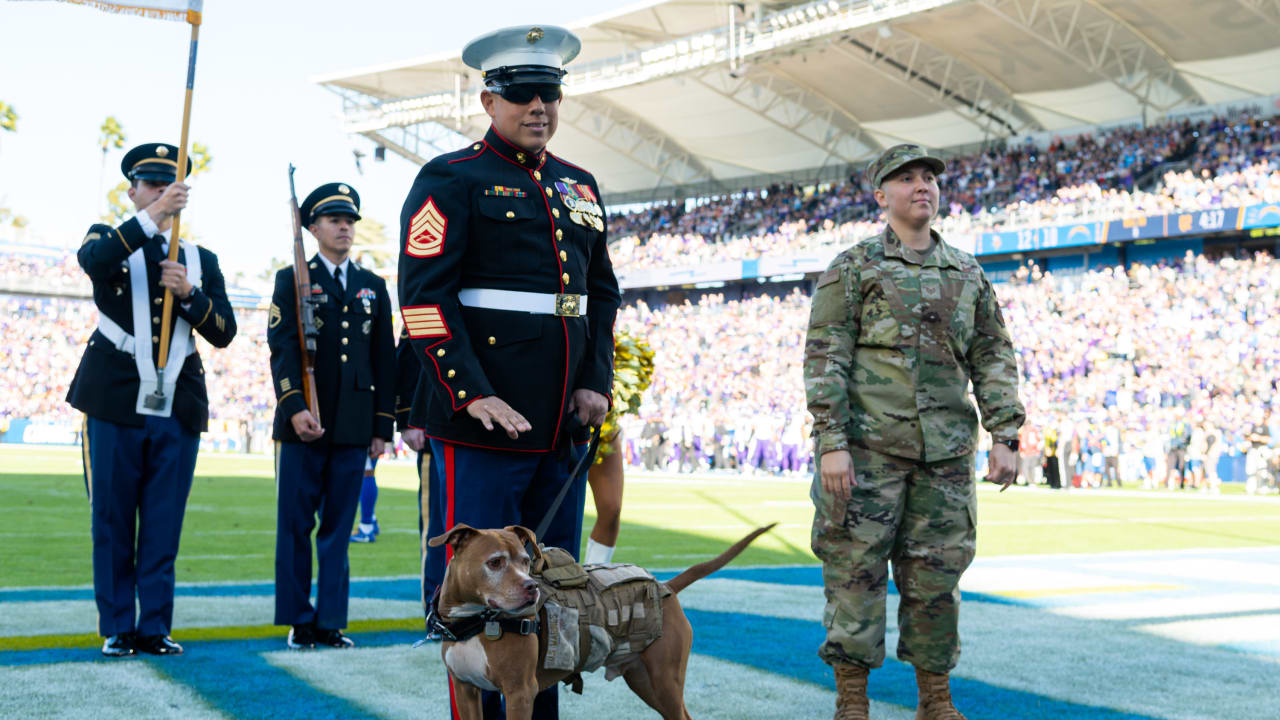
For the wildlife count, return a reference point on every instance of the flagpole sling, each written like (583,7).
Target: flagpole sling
(156,399)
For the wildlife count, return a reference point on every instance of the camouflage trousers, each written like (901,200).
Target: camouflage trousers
(919,516)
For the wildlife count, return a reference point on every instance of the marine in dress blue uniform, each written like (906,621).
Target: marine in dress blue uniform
(509,299)
(320,461)
(138,459)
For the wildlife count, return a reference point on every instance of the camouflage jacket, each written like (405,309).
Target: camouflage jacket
(894,339)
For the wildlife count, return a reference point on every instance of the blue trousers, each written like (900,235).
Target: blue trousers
(430,522)
(138,480)
(368,493)
(315,479)
(493,489)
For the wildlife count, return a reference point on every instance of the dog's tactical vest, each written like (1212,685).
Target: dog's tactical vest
(597,615)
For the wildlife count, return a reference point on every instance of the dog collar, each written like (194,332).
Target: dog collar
(491,621)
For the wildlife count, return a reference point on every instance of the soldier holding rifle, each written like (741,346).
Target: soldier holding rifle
(144,408)
(333,368)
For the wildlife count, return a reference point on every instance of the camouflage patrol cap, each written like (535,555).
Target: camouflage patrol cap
(899,155)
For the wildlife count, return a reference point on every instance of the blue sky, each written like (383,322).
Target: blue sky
(65,68)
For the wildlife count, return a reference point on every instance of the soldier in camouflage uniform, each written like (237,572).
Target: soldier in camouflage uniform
(900,324)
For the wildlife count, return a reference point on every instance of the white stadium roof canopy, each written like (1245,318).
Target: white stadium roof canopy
(707,93)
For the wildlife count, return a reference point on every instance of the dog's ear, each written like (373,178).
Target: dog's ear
(457,535)
(526,536)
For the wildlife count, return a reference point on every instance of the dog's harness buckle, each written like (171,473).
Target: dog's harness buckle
(490,621)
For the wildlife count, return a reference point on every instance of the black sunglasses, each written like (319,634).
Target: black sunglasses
(523,94)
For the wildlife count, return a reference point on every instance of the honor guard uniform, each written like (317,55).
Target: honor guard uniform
(143,423)
(320,461)
(509,299)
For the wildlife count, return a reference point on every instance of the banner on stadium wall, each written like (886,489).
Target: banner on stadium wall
(1139,227)
(24,431)
(1154,227)
(1256,216)
(808,263)
(1042,238)
(654,277)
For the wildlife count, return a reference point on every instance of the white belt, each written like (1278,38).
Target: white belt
(545,303)
(122,340)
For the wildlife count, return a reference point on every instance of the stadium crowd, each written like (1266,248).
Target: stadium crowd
(47,337)
(1147,376)
(1213,163)
(1128,376)
(1159,368)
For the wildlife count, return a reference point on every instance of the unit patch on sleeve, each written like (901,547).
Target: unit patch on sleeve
(274,316)
(424,321)
(426,231)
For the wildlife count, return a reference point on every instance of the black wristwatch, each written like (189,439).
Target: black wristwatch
(1011,444)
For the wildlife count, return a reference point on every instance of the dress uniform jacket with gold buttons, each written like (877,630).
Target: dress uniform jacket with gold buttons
(492,216)
(106,383)
(407,371)
(355,366)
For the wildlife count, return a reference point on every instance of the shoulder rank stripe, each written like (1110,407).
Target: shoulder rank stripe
(426,231)
(424,321)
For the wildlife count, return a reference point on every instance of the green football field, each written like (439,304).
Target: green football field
(669,521)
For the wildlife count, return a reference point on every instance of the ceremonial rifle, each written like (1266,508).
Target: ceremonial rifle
(304,306)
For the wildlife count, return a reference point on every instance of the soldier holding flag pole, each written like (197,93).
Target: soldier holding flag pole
(141,382)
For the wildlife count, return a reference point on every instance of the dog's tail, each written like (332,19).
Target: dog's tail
(703,569)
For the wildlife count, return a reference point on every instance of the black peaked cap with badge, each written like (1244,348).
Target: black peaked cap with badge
(330,199)
(155,162)
(355,368)
(497,217)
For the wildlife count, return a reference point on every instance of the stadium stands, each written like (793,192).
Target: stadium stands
(1213,163)
(1132,350)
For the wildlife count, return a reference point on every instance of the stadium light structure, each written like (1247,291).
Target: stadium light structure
(785,30)
(660,108)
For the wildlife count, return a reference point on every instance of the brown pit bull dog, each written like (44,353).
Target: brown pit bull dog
(488,584)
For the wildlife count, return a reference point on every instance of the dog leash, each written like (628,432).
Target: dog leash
(583,462)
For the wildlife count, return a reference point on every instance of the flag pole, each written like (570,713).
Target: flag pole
(194,19)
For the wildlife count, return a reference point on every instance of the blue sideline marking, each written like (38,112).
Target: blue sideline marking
(811,576)
(789,647)
(388,589)
(235,678)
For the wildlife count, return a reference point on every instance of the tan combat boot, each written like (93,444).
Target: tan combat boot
(851,693)
(935,697)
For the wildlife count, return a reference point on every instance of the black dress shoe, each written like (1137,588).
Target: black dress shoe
(159,645)
(333,639)
(121,645)
(301,637)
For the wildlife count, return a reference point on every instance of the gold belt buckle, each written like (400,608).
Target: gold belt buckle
(567,305)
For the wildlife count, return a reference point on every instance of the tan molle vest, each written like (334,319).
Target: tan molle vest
(598,615)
